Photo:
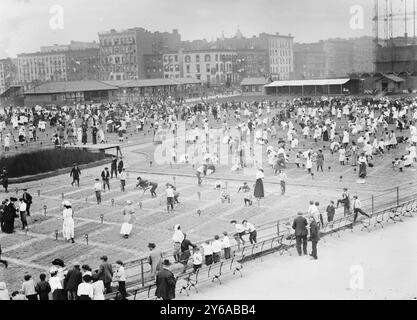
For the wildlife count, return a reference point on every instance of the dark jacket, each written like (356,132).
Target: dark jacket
(165,285)
(300,226)
(105,272)
(42,289)
(27,198)
(314,232)
(120,166)
(73,279)
(105,175)
(75,173)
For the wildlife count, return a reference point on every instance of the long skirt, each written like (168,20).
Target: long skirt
(259,189)
(126,228)
(362,170)
(68,229)
(326,136)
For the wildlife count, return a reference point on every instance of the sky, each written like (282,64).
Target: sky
(25,25)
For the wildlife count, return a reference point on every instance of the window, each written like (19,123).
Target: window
(187,59)
(207,58)
(216,57)
(198,68)
(176,58)
(197,58)
(187,67)
(198,77)
(208,68)
(208,78)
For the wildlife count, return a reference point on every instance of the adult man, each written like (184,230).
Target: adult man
(105,177)
(27,198)
(75,174)
(123,177)
(113,167)
(165,282)
(357,208)
(177,239)
(22,211)
(282,177)
(72,280)
(105,273)
(300,227)
(314,237)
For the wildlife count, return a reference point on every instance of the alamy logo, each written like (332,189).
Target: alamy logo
(356,278)
(357,17)
(57,20)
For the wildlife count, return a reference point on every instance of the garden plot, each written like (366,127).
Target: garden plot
(9,240)
(30,249)
(246,212)
(14,275)
(88,228)
(68,253)
(138,239)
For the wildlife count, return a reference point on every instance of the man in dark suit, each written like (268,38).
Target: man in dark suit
(314,237)
(105,273)
(120,166)
(27,198)
(105,177)
(113,167)
(300,226)
(165,282)
(75,174)
(72,280)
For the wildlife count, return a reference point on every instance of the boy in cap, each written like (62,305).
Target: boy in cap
(27,198)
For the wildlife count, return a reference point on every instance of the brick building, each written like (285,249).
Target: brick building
(122,53)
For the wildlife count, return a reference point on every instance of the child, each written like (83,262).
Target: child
(197,259)
(217,185)
(43,288)
(226,245)
(28,288)
(216,247)
(224,195)
(208,253)
(298,159)
(247,195)
(120,277)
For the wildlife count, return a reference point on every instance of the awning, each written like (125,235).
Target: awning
(301,83)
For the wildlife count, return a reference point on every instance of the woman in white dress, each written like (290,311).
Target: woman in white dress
(128,219)
(68,225)
(98,289)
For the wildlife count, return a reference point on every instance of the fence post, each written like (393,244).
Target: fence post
(372,204)
(398,196)
(141,272)
(278,228)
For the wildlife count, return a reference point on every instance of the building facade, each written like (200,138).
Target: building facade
(122,53)
(212,67)
(280,53)
(309,61)
(42,67)
(250,64)
(8,74)
(173,64)
(153,66)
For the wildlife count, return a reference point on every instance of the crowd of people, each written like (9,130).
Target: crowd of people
(301,131)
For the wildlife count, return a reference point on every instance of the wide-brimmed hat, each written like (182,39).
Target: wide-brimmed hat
(129,202)
(166,262)
(151,245)
(66,203)
(13,199)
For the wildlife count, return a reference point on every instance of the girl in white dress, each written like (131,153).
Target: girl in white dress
(68,225)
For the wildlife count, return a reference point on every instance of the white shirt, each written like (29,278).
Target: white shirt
(85,289)
(225,242)
(97,186)
(55,283)
(207,249)
(216,246)
(197,258)
(356,204)
(120,274)
(249,227)
(239,228)
(170,192)
(178,236)
(22,206)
